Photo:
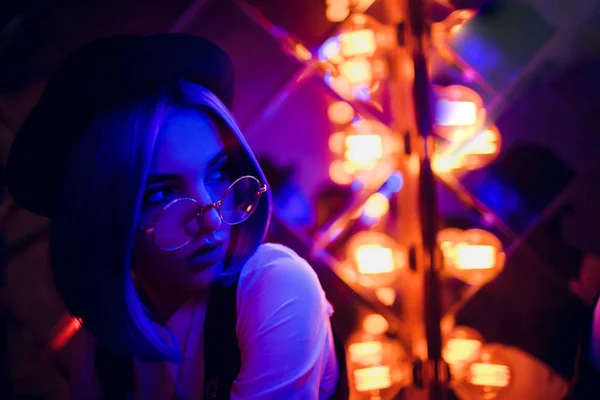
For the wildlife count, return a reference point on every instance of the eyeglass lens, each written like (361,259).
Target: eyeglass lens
(180,221)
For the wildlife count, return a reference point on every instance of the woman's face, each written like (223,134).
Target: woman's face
(189,160)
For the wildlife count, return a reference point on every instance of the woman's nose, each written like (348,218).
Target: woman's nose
(209,217)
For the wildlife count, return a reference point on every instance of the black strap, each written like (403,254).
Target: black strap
(115,373)
(222,357)
(342,389)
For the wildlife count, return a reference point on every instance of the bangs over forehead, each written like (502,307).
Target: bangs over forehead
(188,96)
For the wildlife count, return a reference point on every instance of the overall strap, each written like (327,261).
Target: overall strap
(342,389)
(115,374)
(222,357)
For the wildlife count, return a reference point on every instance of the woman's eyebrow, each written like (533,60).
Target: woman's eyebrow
(220,156)
(170,177)
(159,178)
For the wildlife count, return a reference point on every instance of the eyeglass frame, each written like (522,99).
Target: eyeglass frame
(202,209)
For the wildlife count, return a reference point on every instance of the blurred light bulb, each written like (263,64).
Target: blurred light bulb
(330,50)
(451,113)
(459,113)
(366,352)
(340,85)
(372,378)
(337,13)
(357,71)
(375,324)
(462,345)
(340,112)
(336,143)
(338,174)
(492,375)
(376,257)
(473,153)
(386,295)
(375,361)
(366,149)
(350,167)
(474,256)
(357,54)
(485,377)
(358,43)
(376,206)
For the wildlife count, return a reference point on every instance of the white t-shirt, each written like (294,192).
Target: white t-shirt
(283,332)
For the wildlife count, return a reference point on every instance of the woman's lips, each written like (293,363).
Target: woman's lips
(207,255)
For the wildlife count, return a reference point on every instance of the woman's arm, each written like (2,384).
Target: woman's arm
(284,333)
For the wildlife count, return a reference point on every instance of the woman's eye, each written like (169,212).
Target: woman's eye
(158,196)
(218,174)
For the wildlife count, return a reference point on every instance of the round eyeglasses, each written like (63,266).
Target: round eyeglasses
(180,220)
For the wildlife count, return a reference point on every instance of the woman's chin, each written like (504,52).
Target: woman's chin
(200,280)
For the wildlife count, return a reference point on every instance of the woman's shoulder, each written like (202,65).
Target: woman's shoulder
(277,265)
(273,256)
(273,251)
(277,284)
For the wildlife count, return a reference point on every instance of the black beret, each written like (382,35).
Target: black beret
(100,76)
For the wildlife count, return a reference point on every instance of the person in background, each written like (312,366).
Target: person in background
(540,303)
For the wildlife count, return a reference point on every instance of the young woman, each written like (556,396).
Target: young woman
(159,210)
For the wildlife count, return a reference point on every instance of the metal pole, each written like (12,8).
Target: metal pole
(417,38)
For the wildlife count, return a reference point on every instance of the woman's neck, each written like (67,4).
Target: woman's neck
(163,303)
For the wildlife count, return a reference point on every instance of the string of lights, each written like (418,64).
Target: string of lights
(449,134)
